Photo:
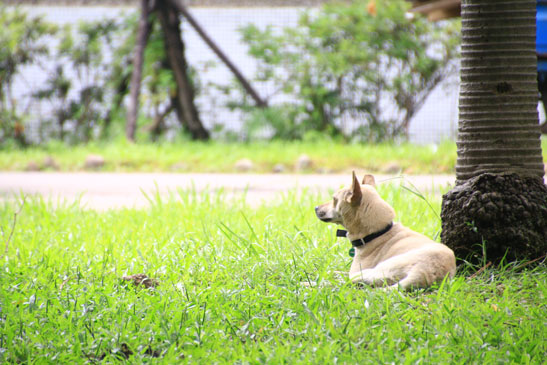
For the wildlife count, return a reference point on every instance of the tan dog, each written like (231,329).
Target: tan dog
(386,253)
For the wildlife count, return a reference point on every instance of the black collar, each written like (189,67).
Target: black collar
(366,239)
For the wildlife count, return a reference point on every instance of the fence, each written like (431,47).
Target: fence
(437,120)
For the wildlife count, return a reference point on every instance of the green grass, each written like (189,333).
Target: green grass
(187,156)
(221,157)
(230,290)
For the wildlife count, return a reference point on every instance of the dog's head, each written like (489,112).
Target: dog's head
(358,208)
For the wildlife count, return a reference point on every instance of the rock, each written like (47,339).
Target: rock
(279,168)
(50,163)
(128,164)
(303,162)
(244,165)
(93,162)
(179,166)
(392,168)
(324,170)
(33,166)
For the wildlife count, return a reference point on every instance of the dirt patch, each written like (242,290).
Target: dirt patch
(141,280)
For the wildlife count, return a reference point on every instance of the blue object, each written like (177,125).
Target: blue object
(541,34)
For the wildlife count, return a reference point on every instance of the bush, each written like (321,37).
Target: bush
(86,87)
(78,112)
(363,63)
(21,44)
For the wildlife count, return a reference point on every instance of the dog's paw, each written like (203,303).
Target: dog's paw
(366,276)
(371,277)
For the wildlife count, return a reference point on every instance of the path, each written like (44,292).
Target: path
(114,190)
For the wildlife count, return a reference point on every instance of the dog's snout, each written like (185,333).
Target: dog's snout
(322,214)
(319,212)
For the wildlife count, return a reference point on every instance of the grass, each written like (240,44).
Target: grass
(221,157)
(230,290)
(187,156)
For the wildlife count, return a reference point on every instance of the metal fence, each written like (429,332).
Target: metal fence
(437,120)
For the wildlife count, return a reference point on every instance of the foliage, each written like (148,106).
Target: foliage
(21,44)
(343,71)
(89,80)
(230,290)
(280,120)
(78,99)
(347,65)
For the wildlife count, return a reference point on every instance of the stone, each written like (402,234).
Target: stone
(392,168)
(303,162)
(278,168)
(244,165)
(33,166)
(324,170)
(179,166)
(94,162)
(50,163)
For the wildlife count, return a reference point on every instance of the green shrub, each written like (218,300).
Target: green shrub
(89,80)
(346,64)
(21,44)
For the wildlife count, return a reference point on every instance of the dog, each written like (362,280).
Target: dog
(386,254)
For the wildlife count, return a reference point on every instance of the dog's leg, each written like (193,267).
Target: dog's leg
(413,280)
(372,277)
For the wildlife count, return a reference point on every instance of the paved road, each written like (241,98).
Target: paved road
(113,190)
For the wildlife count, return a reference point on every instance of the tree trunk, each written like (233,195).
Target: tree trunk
(499,204)
(135,87)
(184,99)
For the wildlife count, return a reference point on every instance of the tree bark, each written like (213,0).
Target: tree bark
(184,99)
(499,204)
(136,76)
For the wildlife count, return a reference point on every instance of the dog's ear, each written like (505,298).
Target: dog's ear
(356,195)
(369,180)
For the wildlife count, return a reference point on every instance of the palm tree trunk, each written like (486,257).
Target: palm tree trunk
(500,199)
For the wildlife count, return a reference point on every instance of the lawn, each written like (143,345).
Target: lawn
(229,290)
(326,156)
(187,156)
